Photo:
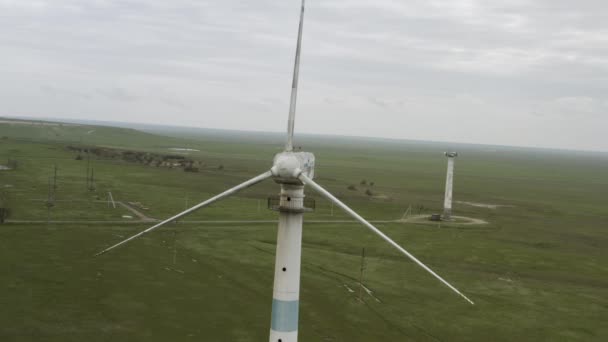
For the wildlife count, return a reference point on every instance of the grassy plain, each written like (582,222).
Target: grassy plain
(537,272)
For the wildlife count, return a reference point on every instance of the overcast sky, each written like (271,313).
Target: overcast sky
(509,72)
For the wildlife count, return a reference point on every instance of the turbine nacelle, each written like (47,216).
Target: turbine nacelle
(451,154)
(288,166)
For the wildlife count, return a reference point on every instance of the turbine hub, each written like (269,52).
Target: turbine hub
(287,167)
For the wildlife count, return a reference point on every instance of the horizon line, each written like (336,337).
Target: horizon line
(113,124)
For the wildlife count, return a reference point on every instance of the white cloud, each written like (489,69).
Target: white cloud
(573,106)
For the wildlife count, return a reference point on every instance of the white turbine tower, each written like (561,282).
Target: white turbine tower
(292,170)
(449,182)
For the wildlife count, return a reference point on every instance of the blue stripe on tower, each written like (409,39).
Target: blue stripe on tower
(285,315)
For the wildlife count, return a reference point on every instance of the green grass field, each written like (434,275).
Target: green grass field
(537,272)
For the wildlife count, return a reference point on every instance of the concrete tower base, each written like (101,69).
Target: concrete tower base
(447,215)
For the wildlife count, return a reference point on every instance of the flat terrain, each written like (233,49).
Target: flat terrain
(538,270)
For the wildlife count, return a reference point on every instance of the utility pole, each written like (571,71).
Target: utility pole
(55,178)
(174,246)
(88,165)
(3,209)
(361,274)
(49,202)
(49,195)
(92,180)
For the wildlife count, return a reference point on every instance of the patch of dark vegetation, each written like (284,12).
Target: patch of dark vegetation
(4,214)
(145,158)
(12,164)
(364,184)
(191,168)
(542,245)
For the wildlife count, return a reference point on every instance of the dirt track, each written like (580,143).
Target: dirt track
(417,219)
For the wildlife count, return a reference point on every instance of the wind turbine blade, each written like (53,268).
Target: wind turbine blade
(216,198)
(328,195)
(294,86)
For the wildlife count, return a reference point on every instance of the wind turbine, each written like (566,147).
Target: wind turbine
(449,181)
(292,171)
